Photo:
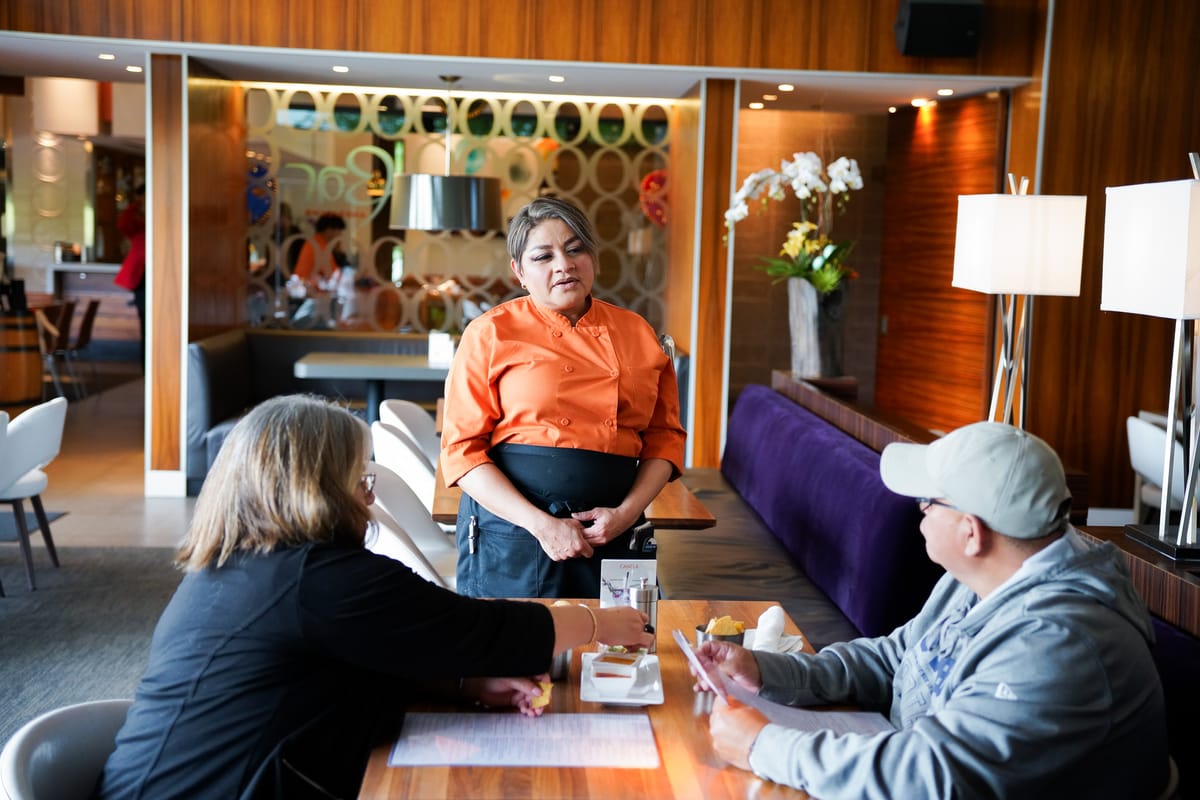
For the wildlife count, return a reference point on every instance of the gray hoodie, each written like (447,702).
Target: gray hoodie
(1047,689)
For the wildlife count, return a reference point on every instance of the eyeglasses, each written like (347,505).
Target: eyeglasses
(367,482)
(926,503)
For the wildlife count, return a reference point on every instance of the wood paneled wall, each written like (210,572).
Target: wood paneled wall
(849,35)
(1121,109)
(933,365)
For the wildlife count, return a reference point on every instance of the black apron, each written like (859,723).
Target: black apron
(500,559)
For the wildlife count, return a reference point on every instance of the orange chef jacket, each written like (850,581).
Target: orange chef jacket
(525,375)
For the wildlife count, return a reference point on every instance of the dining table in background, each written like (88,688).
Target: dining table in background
(374,368)
(688,768)
(674,507)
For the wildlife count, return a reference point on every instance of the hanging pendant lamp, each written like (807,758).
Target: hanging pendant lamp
(425,202)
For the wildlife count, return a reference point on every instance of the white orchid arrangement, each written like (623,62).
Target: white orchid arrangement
(810,251)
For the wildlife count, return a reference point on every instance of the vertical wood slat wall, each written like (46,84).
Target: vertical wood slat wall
(849,35)
(1121,109)
(932,367)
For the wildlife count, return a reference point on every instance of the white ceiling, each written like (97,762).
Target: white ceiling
(61,56)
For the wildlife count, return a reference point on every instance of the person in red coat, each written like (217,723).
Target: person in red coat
(132,275)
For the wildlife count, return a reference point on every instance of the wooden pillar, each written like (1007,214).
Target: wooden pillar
(166,207)
(712,283)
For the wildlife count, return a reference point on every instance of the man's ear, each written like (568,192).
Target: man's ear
(976,536)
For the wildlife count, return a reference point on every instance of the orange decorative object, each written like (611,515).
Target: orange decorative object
(653,197)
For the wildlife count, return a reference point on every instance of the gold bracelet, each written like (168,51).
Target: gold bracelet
(595,624)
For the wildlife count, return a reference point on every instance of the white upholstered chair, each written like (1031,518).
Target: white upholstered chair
(59,755)
(33,441)
(1147,443)
(400,504)
(396,450)
(416,422)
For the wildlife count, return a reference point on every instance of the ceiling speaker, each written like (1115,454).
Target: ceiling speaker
(948,28)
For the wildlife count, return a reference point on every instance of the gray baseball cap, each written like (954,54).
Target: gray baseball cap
(1010,479)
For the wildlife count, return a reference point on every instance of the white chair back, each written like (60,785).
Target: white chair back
(34,439)
(399,453)
(1147,443)
(389,539)
(416,422)
(60,754)
(393,495)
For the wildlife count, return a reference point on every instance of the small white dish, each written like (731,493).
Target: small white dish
(647,689)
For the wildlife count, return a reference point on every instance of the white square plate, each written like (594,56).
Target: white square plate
(647,689)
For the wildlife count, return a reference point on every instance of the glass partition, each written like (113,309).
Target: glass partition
(317,151)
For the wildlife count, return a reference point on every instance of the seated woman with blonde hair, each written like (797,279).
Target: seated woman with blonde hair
(289,650)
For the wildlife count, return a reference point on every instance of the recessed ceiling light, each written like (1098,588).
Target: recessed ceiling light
(107,57)
(756,106)
(786,87)
(132,68)
(557,79)
(918,102)
(945,92)
(340,69)
(891,109)
(770,97)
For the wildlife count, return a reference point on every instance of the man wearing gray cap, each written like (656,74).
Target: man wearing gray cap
(1027,673)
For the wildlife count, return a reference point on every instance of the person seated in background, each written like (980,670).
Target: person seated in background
(321,256)
(1026,674)
(289,650)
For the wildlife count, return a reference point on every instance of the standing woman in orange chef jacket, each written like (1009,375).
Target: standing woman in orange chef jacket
(561,421)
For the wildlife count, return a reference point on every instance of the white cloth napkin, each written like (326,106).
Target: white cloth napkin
(769,636)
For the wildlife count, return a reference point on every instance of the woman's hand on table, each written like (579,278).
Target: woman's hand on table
(623,625)
(733,728)
(515,692)
(562,539)
(734,660)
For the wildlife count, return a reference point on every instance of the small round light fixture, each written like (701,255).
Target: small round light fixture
(756,105)
(340,69)
(786,87)
(107,57)
(557,79)
(920,102)
(945,92)
(132,68)
(770,98)
(891,109)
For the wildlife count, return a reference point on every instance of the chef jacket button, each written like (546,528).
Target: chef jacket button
(558,334)
(564,421)
(614,373)
(610,423)
(596,333)
(568,368)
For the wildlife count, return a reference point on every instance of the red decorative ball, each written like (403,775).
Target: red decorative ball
(653,197)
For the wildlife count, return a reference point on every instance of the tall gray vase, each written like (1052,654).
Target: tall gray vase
(816,327)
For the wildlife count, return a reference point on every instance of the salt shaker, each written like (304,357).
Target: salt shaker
(644,598)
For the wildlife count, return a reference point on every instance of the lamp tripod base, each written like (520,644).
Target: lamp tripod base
(1148,535)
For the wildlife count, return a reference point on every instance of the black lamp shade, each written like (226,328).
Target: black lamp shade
(424,202)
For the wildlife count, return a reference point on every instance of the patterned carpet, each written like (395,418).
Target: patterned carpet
(85,633)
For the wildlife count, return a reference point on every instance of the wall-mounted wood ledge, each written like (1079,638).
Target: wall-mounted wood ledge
(1171,590)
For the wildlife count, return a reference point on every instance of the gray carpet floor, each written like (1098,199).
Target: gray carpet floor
(84,634)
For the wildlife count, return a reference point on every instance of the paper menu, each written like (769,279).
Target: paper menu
(807,719)
(711,678)
(618,576)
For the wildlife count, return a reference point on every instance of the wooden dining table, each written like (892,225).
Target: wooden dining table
(374,368)
(688,767)
(674,507)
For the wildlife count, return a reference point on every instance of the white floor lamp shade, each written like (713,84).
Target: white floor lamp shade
(1152,267)
(1018,245)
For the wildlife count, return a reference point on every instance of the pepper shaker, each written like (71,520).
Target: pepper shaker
(644,598)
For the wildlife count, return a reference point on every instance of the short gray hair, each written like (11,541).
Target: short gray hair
(541,210)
